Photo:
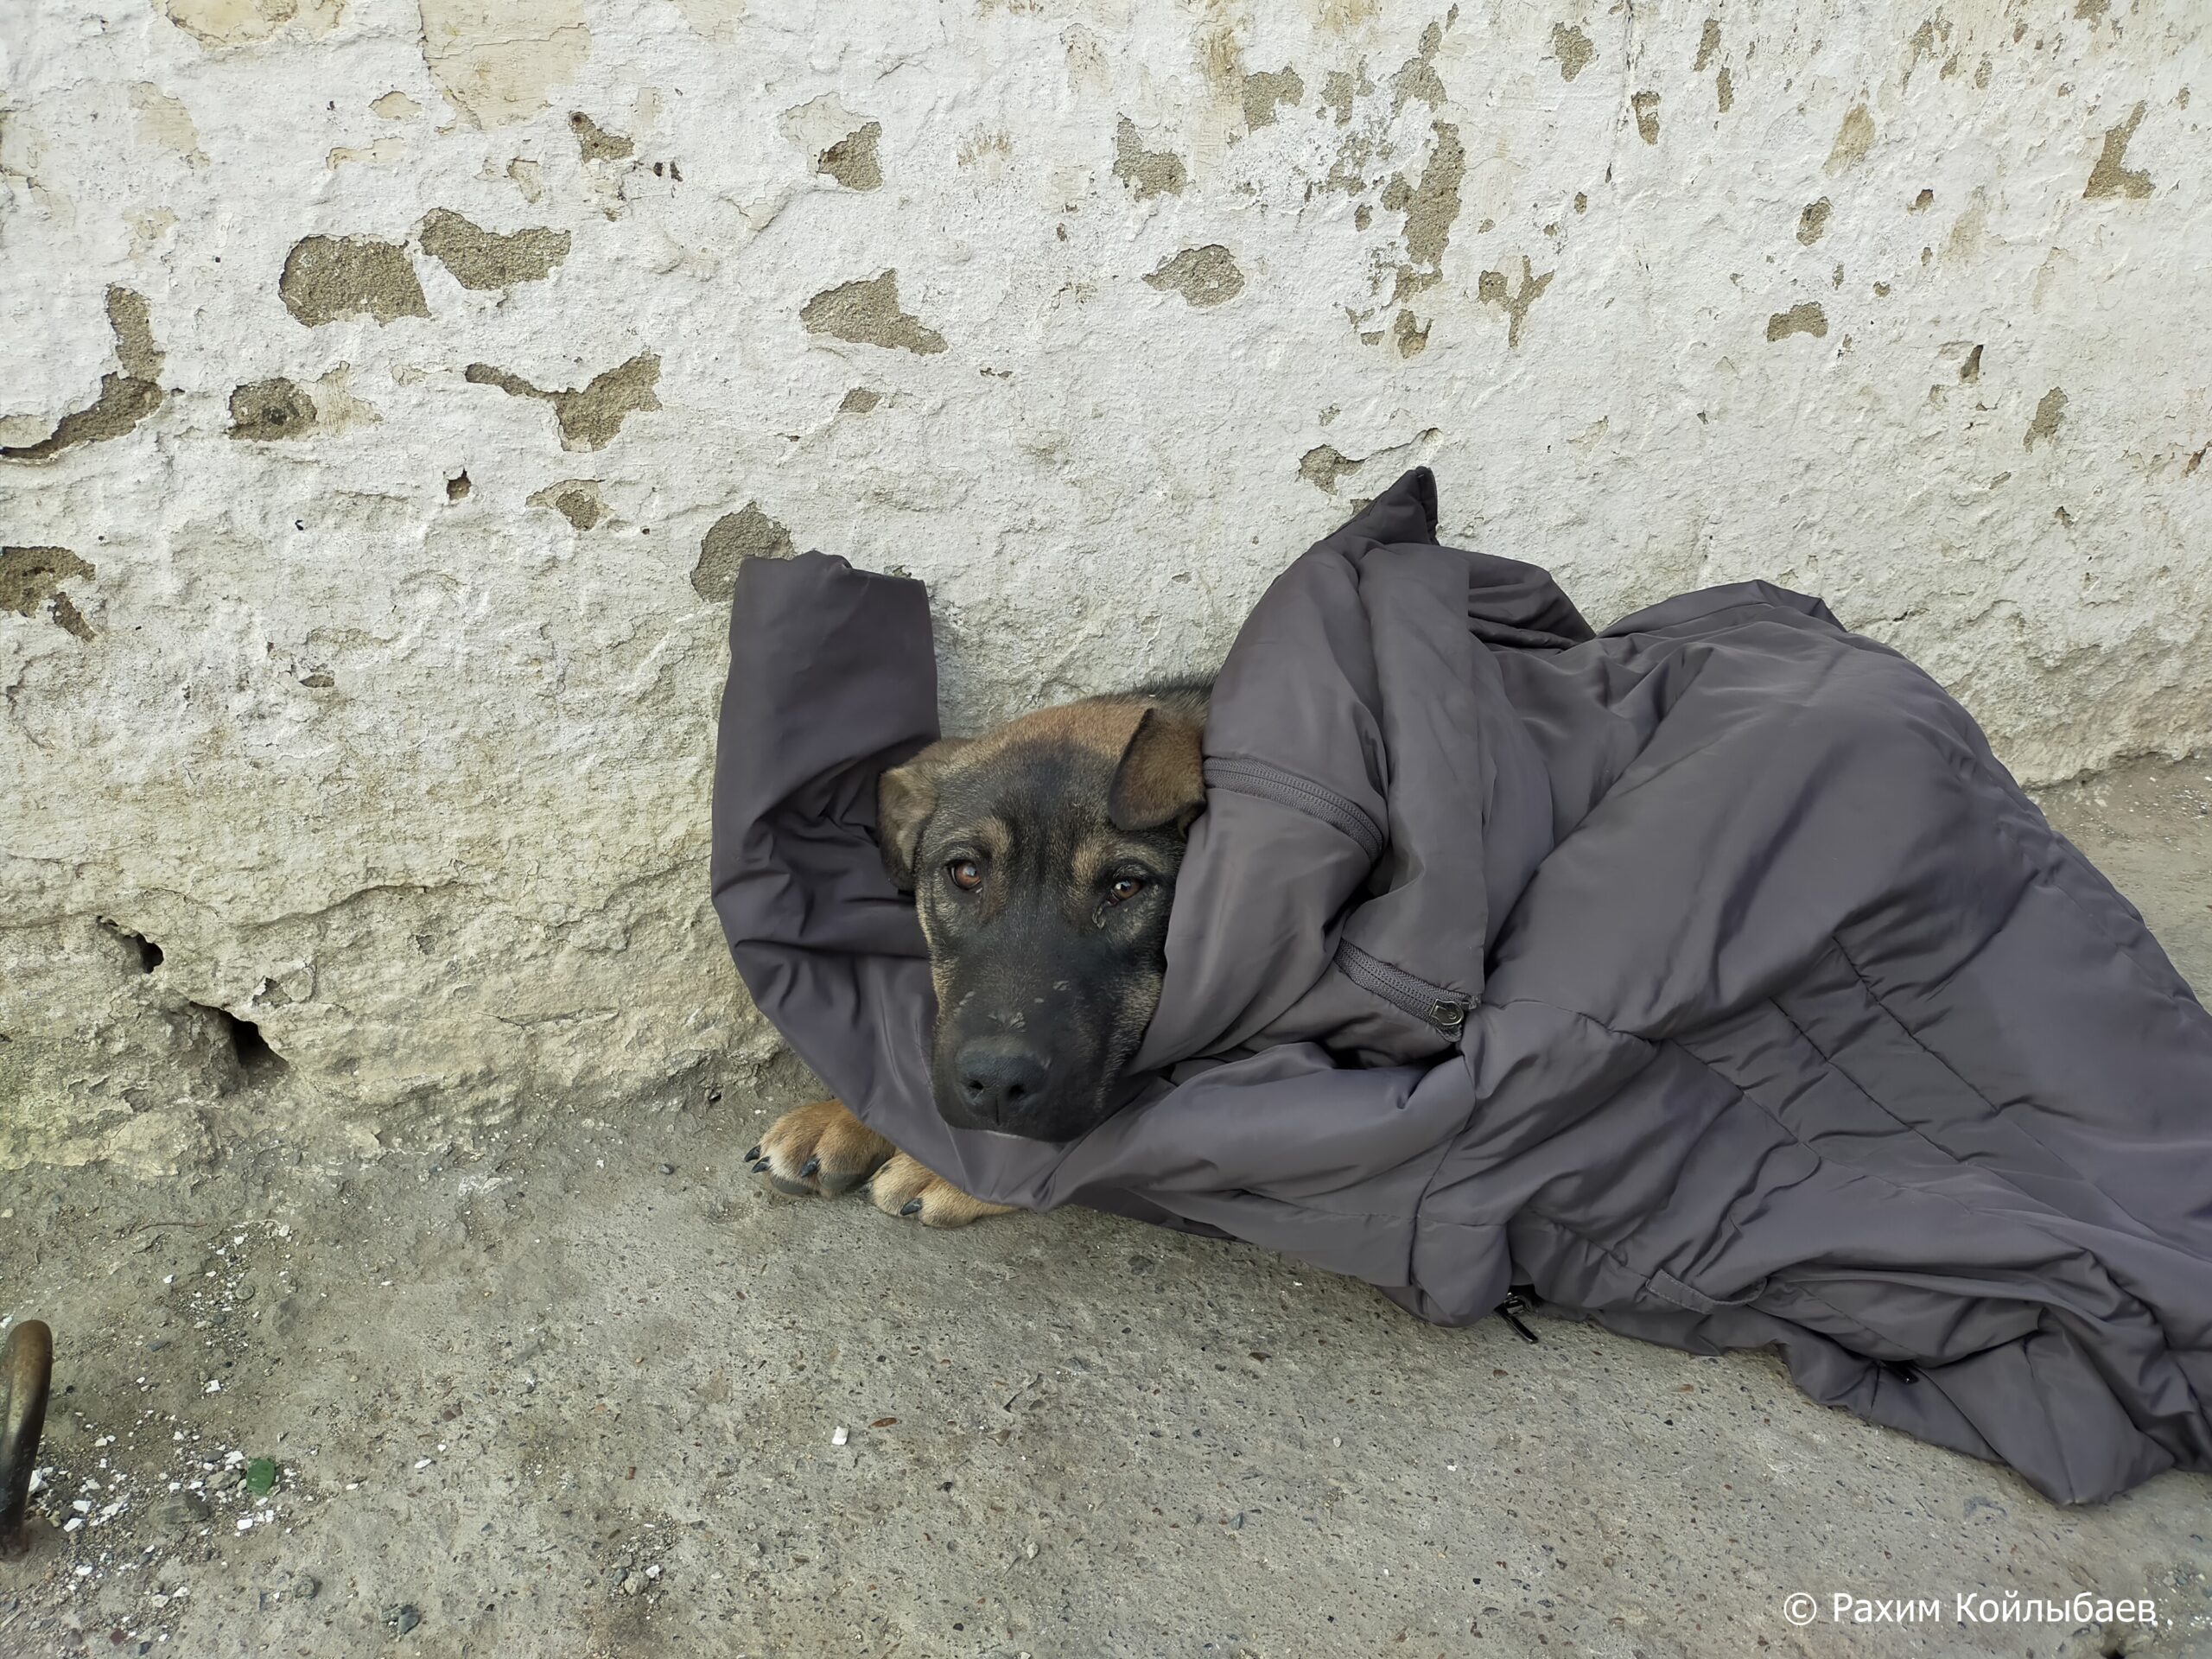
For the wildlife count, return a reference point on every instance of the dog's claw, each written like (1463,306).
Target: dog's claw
(812,1166)
(753,1156)
(762,1165)
(911,1207)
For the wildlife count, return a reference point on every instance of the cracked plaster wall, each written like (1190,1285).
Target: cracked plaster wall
(390,389)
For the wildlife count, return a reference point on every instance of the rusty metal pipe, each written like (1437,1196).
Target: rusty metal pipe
(25,1373)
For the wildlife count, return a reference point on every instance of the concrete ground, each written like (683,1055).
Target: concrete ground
(595,1391)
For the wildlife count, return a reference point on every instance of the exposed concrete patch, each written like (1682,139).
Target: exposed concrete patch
(1417,78)
(1325,466)
(1491,288)
(1204,276)
(327,277)
(2111,176)
(1431,206)
(1573,49)
(249,22)
(1146,172)
(859,401)
(867,312)
(1923,48)
(1854,138)
(166,122)
(263,410)
(1806,319)
(395,106)
(125,398)
(1342,88)
(1724,88)
(497,61)
(1411,337)
(1646,106)
(483,260)
(1708,46)
(852,160)
(1814,222)
(1263,92)
(2050,409)
(589,417)
(596,143)
(576,499)
(747,533)
(31,577)
(458,486)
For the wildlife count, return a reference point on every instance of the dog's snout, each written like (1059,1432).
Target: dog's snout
(1000,1077)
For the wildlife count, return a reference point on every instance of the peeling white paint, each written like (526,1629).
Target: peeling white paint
(412,773)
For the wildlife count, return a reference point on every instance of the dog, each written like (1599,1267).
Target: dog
(1042,857)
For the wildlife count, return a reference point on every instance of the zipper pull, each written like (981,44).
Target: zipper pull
(1448,1017)
(1511,1311)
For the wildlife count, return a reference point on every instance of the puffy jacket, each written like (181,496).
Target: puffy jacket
(1707,975)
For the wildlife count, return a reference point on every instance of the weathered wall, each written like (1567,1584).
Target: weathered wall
(389,389)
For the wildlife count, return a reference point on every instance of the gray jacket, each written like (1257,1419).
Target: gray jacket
(1707,975)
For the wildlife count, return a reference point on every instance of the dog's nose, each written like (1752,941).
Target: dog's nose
(999,1079)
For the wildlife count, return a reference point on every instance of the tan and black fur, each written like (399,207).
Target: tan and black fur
(1042,856)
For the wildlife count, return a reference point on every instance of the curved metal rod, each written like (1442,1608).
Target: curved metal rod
(25,1373)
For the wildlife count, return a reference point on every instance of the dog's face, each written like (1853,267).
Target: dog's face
(1042,858)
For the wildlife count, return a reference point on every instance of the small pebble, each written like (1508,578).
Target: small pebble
(839,1436)
(632,1584)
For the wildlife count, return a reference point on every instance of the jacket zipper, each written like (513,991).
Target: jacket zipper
(1431,1004)
(1272,784)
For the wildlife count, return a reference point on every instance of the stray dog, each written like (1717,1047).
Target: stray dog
(1042,857)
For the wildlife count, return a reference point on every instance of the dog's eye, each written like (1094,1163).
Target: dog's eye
(1125,888)
(965,873)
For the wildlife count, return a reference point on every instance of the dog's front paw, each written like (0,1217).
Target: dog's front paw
(903,1187)
(820,1150)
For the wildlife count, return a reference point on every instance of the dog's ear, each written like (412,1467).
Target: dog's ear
(904,798)
(1161,777)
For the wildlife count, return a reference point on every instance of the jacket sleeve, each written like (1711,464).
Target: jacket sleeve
(832,679)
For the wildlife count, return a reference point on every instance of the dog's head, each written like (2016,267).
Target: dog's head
(1042,858)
